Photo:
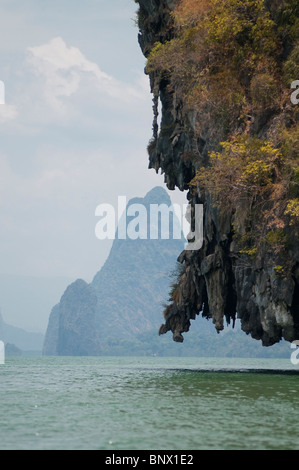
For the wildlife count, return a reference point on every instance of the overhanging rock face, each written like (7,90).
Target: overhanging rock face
(217,281)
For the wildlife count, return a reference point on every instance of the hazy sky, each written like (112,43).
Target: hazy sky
(74,130)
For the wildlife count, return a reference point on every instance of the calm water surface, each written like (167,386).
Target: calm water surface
(148,403)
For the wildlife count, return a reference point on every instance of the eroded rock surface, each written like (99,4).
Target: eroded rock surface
(215,281)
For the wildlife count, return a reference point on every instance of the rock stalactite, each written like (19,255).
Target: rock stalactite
(217,281)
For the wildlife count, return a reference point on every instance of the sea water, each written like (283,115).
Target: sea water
(148,403)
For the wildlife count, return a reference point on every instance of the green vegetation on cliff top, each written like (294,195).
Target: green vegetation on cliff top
(233,62)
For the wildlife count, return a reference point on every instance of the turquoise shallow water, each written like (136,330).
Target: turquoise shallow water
(148,403)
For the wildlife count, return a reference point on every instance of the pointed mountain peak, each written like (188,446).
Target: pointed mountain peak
(157,195)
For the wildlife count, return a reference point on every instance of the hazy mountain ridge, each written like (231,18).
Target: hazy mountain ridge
(130,290)
(24,340)
(124,299)
(25,301)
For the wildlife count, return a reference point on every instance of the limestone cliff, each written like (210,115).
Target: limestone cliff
(124,299)
(71,330)
(220,282)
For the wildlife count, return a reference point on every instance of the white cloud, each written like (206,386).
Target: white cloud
(74,137)
(64,70)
